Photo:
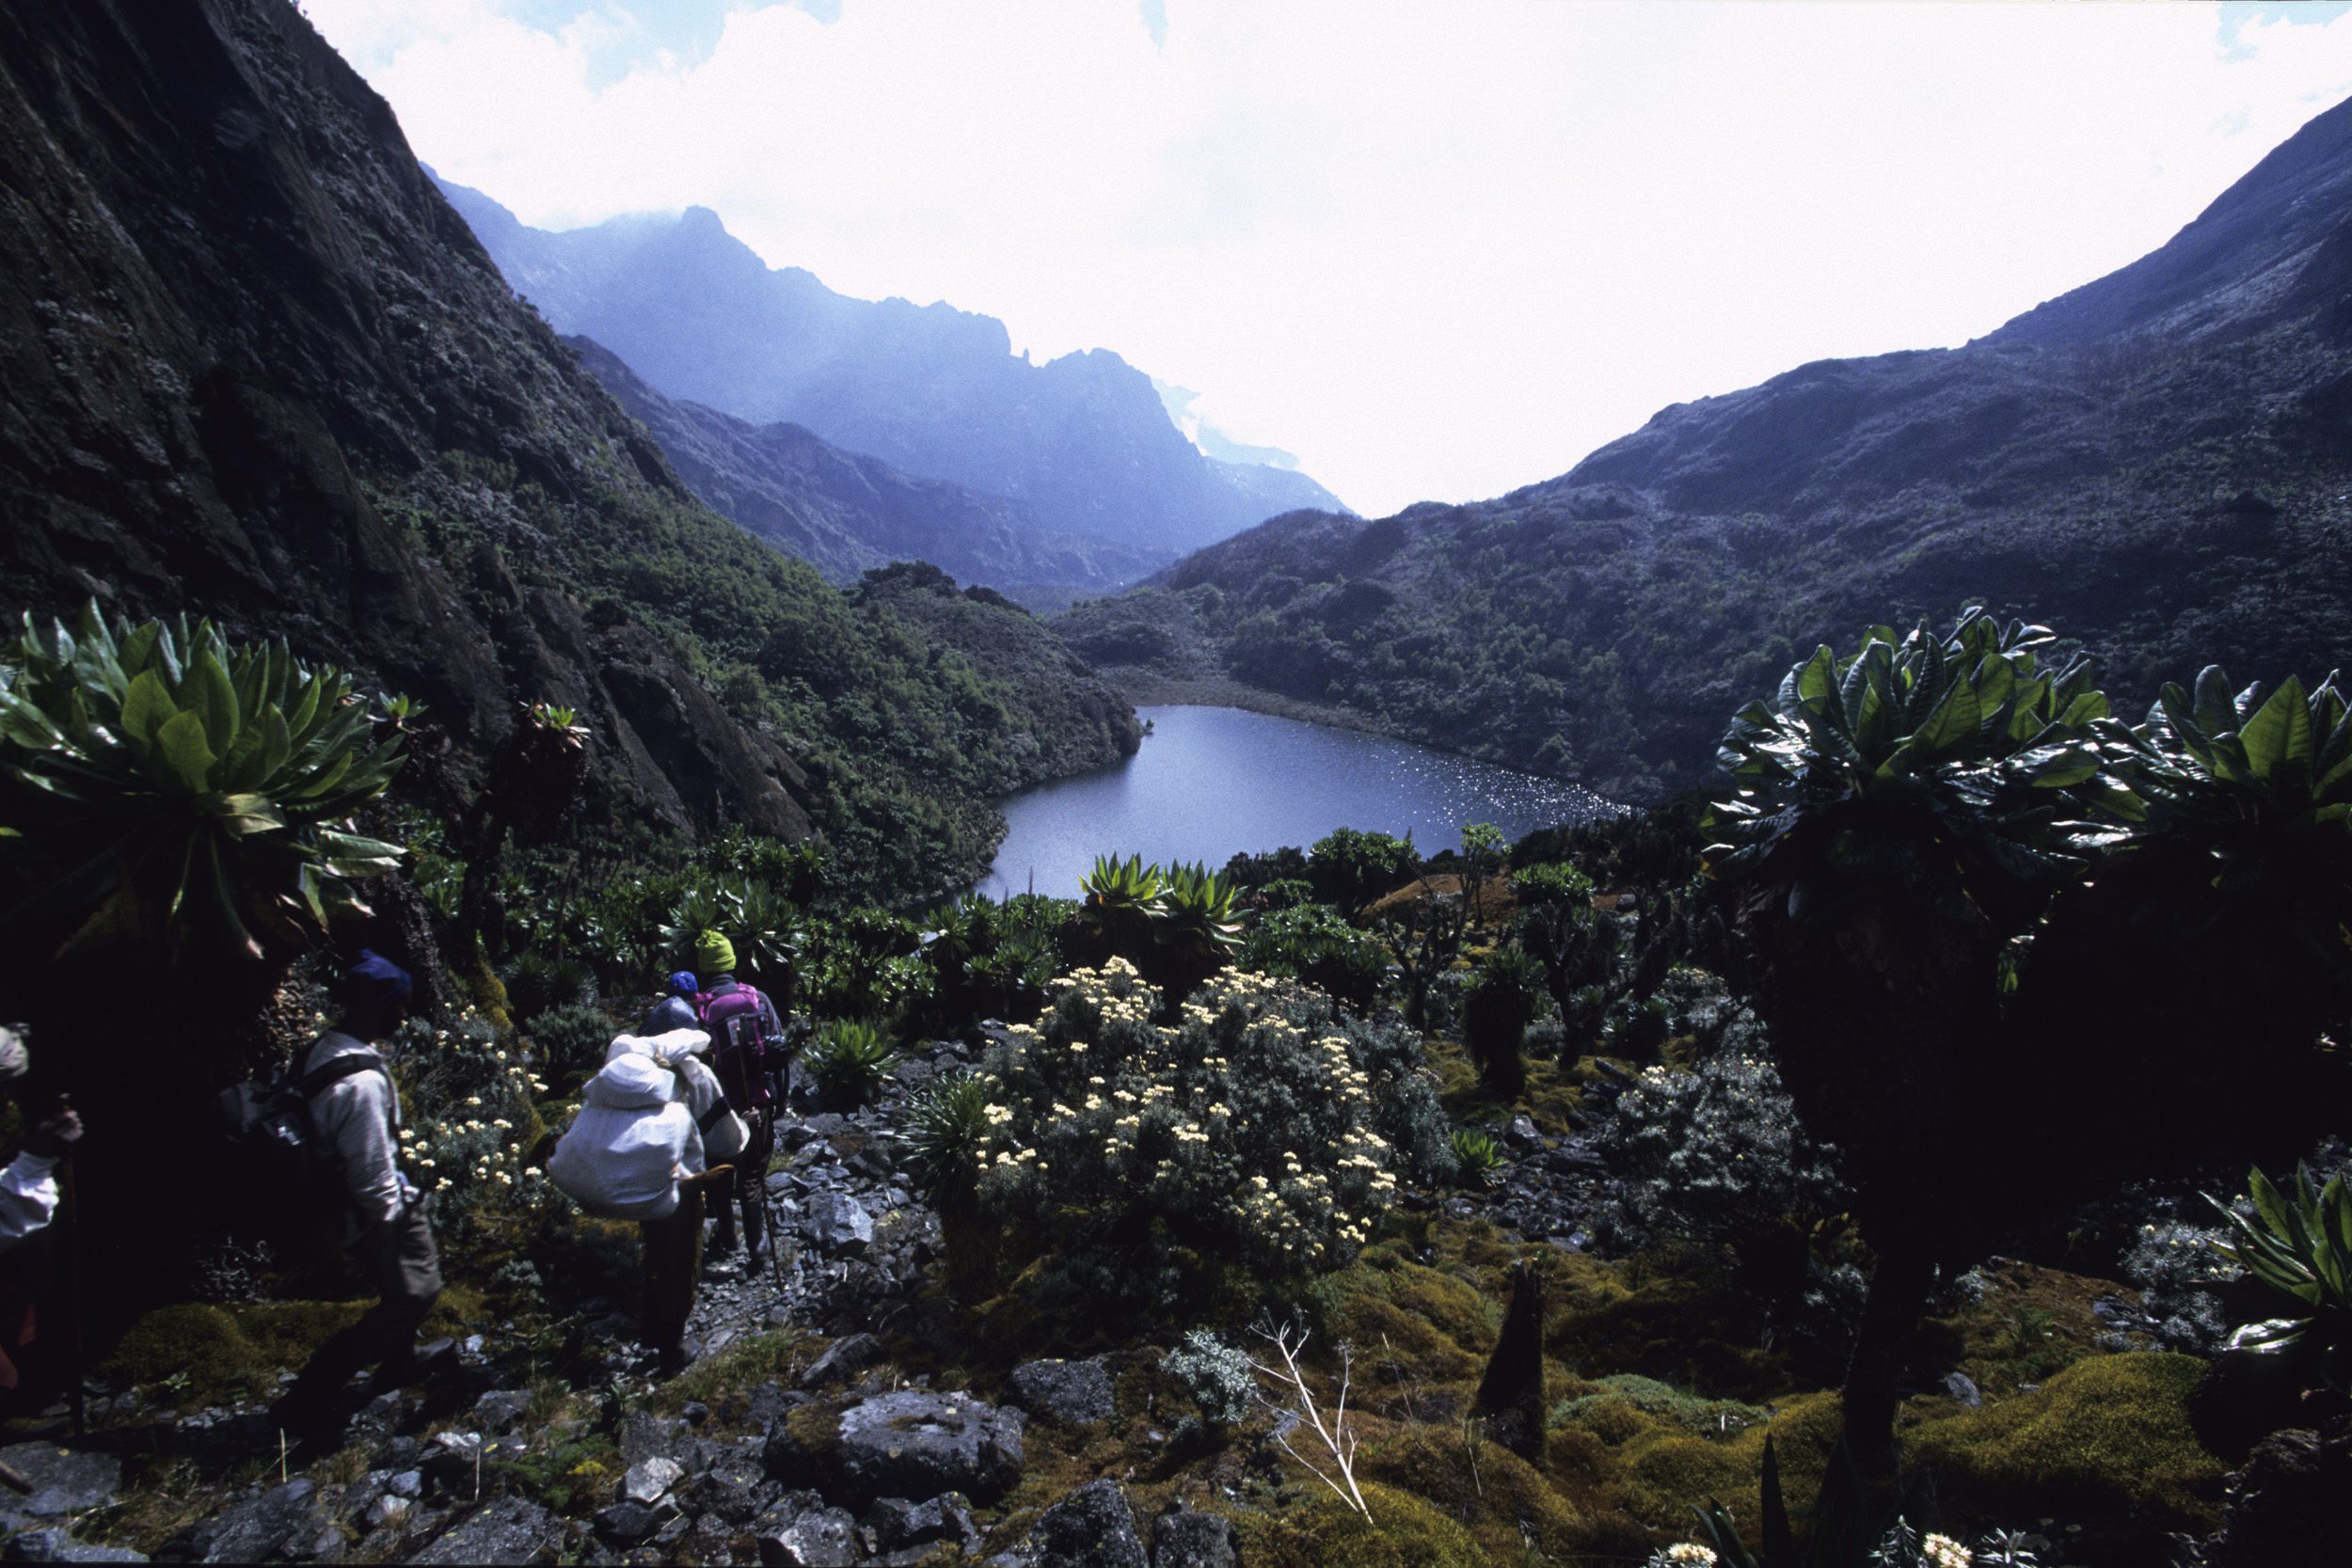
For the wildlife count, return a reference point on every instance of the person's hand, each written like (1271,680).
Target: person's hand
(53,1137)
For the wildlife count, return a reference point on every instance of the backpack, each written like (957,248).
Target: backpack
(750,1059)
(275,1142)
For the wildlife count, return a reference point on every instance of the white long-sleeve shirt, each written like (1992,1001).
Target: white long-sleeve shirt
(360,1117)
(28,1197)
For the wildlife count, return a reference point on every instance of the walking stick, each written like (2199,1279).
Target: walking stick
(69,1200)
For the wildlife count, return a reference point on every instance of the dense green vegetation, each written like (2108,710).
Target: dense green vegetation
(1218,1099)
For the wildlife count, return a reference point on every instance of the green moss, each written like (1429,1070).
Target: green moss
(1500,1498)
(2107,1435)
(746,1363)
(199,1355)
(1626,1402)
(1404,1532)
(1666,1471)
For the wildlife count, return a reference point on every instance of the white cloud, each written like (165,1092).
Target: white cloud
(1436,249)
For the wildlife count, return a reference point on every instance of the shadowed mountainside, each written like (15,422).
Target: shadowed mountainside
(2156,464)
(1081,443)
(253,366)
(845,514)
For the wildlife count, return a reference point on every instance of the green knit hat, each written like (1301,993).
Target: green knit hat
(714,953)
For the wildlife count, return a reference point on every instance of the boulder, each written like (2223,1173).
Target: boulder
(815,1538)
(1093,1528)
(1071,1393)
(2285,1505)
(624,1524)
(898,1525)
(284,1524)
(839,1224)
(1189,1540)
(55,1544)
(499,1410)
(842,1361)
(503,1530)
(909,1443)
(65,1480)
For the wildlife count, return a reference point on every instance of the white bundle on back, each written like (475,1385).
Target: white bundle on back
(634,1137)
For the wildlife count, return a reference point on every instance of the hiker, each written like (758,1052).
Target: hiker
(28,1188)
(384,1226)
(28,1201)
(651,1124)
(748,1050)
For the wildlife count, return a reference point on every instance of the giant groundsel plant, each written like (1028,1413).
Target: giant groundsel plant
(163,784)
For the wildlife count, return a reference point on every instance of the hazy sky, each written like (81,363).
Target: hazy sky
(1439,250)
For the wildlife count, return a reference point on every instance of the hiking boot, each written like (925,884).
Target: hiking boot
(427,1363)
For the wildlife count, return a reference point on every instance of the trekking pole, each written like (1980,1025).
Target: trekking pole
(69,1199)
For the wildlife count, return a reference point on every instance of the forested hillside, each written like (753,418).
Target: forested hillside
(2157,463)
(256,369)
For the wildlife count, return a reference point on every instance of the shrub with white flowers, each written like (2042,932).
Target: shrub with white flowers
(1149,1155)
(468,1124)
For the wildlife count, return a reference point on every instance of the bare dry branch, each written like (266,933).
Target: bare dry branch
(1338,1440)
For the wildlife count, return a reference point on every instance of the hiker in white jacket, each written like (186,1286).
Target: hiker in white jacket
(651,1125)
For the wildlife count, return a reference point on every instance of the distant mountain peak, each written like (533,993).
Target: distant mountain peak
(1080,442)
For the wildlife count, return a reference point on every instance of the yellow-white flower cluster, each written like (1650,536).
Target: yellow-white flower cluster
(467,1101)
(1240,1126)
(1942,1551)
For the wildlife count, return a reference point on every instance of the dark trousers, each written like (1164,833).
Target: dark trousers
(673,1263)
(746,1187)
(399,1260)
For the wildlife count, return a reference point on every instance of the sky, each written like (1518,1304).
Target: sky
(1438,249)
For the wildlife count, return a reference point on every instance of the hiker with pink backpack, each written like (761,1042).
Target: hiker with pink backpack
(751,1056)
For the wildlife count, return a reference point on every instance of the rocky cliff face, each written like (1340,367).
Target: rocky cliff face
(253,366)
(2157,464)
(1082,444)
(845,514)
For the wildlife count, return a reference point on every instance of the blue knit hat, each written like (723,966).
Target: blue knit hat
(684,983)
(374,981)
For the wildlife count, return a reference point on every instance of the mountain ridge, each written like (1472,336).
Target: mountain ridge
(254,367)
(845,514)
(1082,441)
(2155,463)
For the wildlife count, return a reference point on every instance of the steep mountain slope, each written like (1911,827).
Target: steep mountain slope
(1082,442)
(2158,464)
(253,366)
(845,514)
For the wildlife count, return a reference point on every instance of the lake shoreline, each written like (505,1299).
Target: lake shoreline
(1216,779)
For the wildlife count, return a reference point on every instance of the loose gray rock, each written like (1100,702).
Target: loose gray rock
(1522,1133)
(842,1361)
(503,1530)
(65,1480)
(900,1525)
(839,1224)
(499,1410)
(1073,1393)
(55,1544)
(1093,1528)
(649,1481)
(1189,1540)
(1963,1388)
(284,1524)
(910,1444)
(819,1538)
(624,1524)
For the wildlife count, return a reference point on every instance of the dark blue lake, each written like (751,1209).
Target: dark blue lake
(1211,782)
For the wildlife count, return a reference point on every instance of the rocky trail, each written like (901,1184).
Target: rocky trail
(445,1475)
